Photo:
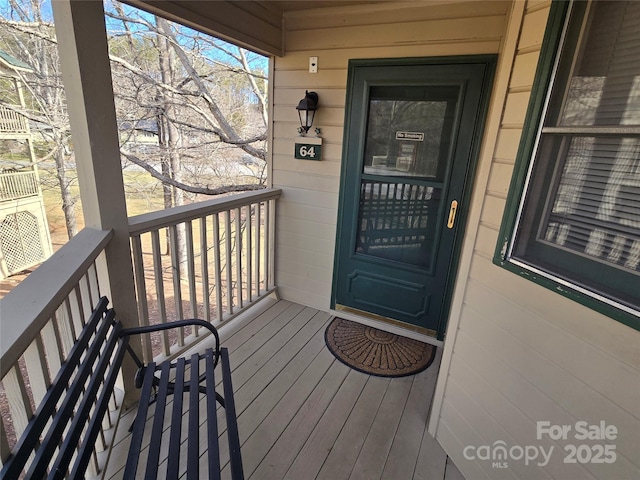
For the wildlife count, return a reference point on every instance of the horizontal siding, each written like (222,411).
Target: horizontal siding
(507,145)
(323,183)
(459,30)
(379,14)
(524,354)
(333,59)
(308,210)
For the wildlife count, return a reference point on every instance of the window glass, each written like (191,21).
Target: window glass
(580,218)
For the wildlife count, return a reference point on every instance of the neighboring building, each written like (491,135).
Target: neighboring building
(24,231)
(139,135)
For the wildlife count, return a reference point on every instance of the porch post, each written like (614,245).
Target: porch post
(82,44)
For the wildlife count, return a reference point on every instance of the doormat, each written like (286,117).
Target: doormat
(377,352)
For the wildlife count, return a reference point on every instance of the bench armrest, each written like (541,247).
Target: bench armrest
(169,325)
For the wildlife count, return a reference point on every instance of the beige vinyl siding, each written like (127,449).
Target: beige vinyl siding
(517,353)
(308,209)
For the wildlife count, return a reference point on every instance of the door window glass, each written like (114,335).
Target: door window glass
(407,151)
(407,136)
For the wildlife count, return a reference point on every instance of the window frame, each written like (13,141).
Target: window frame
(556,30)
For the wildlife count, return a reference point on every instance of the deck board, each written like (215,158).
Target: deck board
(285,450)
(302,414)
(376,448)
(403,456)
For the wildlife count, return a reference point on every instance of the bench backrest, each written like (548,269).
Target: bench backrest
(61,436)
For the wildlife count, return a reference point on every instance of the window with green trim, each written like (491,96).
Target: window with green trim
(574,220)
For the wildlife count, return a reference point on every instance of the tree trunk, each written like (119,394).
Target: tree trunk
(68,202)
(171,134)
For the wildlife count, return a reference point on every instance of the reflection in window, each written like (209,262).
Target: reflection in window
(397,221)
(409,137)
(580,220)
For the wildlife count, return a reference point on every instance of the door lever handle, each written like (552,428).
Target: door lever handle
(452,214)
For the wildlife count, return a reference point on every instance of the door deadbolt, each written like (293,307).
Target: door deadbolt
(452,214)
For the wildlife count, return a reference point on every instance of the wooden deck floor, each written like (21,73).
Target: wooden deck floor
(304,415)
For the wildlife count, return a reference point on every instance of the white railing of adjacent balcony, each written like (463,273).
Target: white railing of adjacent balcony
(226,265)
(12,121)
(15,185)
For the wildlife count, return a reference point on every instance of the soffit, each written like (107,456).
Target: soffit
(253,24)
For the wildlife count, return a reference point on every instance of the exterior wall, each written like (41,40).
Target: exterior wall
(516,353)
(308,209)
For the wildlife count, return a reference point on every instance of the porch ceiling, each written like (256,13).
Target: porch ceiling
(253,24)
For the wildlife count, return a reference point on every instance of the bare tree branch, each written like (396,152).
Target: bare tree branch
(188,188)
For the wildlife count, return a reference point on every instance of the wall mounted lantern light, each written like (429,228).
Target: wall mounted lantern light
(307,110)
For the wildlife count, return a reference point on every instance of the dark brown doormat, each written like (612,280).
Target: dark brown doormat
(377,352)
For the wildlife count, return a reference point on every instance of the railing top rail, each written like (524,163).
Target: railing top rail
(172,216)
(29,306)
(22,173)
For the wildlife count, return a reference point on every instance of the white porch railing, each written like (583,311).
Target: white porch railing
(41,318)
(219,262)
(210,260)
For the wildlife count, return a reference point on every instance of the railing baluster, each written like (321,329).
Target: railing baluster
(204,267)
(5,449)
(89,292)
(239,249)
(158,275)
(36,364)
(177,272)
(85,302)
(94,286)
(65,325)
(53,345)
(191,273)
(270,244)
(141,290)
(17,399)
(229,266)
(217,251)
(249,249)
(75,303)
(259,255)
(93,468)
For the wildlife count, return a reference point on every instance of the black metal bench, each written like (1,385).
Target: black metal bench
(60,438)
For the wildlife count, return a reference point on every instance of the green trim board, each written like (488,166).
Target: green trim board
(534,118)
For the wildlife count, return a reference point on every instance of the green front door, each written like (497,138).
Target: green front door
(411,139)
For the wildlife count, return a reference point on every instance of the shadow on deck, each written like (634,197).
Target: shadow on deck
(304,415)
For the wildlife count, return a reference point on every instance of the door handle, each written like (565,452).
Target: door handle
(452,214)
